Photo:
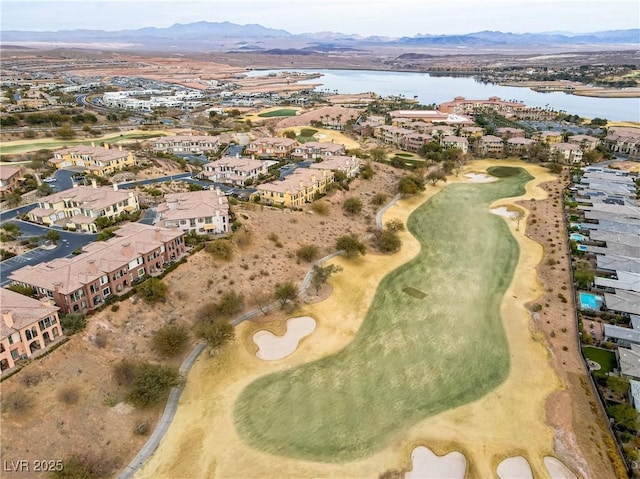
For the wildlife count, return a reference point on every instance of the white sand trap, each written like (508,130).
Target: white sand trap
(557,470)
(272,347)
(515,468)
(480,178)
(503,211)
(426,465)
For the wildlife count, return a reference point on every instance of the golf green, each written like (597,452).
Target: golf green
(413,357)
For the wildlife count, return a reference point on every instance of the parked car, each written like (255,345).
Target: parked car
(49,180)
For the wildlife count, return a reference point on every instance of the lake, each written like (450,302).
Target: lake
(439,89)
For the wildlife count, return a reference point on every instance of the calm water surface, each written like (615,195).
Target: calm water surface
(436,89)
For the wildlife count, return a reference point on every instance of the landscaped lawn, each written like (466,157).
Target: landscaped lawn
(282,112)
(606,359)
(413,356)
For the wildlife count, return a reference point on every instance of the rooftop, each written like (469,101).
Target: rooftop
(193,204)
(24,311)
(90,197)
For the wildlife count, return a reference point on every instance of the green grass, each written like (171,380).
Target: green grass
(412,358)
(305,139)
(606,359)
(282,112)
(503,171)
(50,145)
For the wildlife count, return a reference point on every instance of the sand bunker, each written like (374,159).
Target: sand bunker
(272,347)
(557,470)
(480,177)
(504,211)
(426,465)
(515,468)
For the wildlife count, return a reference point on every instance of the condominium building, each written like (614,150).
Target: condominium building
(271,147)
(234,170)
(298,188)
(460,105)
(471,131)
(203,212)
(28,325)
(349,165)
(104,268)
(78,208)
(187,144)
(455,142)
(549,137)
(490,145)
(508,132)
(518,146)
(317,149)
(569,153)
(10,178)
(391,135)
(414,141)
(585,142)
(625,141)
(100,161)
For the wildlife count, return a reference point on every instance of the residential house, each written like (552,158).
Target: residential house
(104,268)
(202,212)
(428,116)
(234,170)
(490,145)
(79,207)
(471,131)
(300,187)
(312,150)
(518,146)
(585,142)
(568,153)
(507,132)
(438,131)
(455,142)
(414,141)
(10,179)
(624,141)
(271,147)
(349,165)
(181,144)
(391,135)
(100,161)
(549,137)
(27,326)
(460,105)
(629,361)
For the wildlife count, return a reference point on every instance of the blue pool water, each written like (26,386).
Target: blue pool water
(582,247)
(576,225)
(590,301)
(577,237)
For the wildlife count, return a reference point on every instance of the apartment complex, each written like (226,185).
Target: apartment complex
(10,178)
(349,165)
(489,145)
(298,188)
(459,142)
(27,326)
(568,153)
(271,147)
(234,170)
(100,161)
(203,212)
(625,141)
(78,208)
(104,268)
(187,144)
(430,116)
(312,150)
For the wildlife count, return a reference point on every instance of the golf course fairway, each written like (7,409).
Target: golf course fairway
(415,355)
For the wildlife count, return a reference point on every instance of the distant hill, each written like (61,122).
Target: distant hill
(224,36)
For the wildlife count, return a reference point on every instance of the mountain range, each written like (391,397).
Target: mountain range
(226,36)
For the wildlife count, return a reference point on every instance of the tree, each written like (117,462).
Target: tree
(170,340)
(388,241)
(290,134)
(150,384)
(394,225)
(53,236)
(215,333)
(231,303)
(366,171)
(307,252)
(13,199)
(152,290)
(410,185)
(350,245)
(625,416)
(379,199)
(321,274)
(285,292)
(378,154)
(73,323)
(435,176)
(220,249)
(352,206)
(583,276)
(65,133)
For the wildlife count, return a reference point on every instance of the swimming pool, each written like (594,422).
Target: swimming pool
(590,301)
(582,247)
(577,237)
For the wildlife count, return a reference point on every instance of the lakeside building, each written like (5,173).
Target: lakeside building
(204,212)
(271,147)
(624,141)
(300,187)
(518,146)
(10,179)
(390,135)
(187,144)
(414,141)
(585,142)
(430,116)
(312,150)
(471,132)
(104,268)
(28,325)
(79,207)
(234,170)
(460,105)
(99,161)
(349,165)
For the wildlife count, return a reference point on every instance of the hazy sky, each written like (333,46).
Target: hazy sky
(365,17)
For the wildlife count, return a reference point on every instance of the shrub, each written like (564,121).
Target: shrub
(394,225)
(101,339)
(320,207)
(150,384)
(170,340)
(351,245)
(215,333)
(73,323)
(141,428)
(125,372)
(285,292)
(69,395)
(152,290)
(16,402)
(307,252)
(366,171)
(230,303)
(410,185)
(25,290)
(84,466)
(115,308)
(220,249)
(388,241)
(352,205)
(379,199)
